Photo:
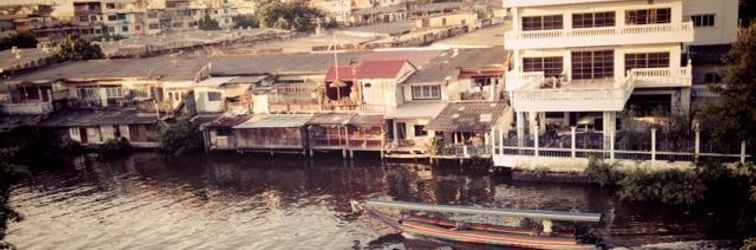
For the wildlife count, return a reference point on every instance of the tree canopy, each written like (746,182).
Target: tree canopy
(246,21)
(734,113)
(207,23)
(276,14)
(75,48)
(179,138)
(20,40)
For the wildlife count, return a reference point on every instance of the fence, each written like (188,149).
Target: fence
(650,145)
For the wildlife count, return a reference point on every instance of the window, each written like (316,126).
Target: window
(590,20)
(88,93)
(542,23)
(125,28)
(420,131)
(113,92)
(84,18)
(112,17)
(703,20)
(443,21)
(551,66)
(152,15)
(213,96)
(646,60)
(121,16)
(429,92)
(225,131)
(111,29)
(110,6)
(592,64)
(93,18)
(649,16)
(178,25)
(154,26)
(712,77)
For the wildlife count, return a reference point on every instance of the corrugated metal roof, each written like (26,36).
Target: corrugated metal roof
(418,110)
(468,117)
(83,118)
(346,73)
(331,119)
(379,69)
(276,121)
(228,121)
(367,120)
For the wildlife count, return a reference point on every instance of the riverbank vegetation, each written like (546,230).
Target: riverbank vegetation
(180,137)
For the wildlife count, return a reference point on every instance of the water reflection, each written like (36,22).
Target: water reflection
(241,202)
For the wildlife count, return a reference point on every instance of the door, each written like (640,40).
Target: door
(401,132)
(83,135)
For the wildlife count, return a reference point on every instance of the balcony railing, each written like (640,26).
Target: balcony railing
(28,108)
(633,34)
(662,77)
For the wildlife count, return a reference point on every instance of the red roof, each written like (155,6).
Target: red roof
(345,73)
(379,69)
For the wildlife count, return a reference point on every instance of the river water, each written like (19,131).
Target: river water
(242,202)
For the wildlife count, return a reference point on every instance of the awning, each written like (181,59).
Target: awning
(468,117)
(276,121)
(227,121)
(367,121)
(331,119)
(418,110)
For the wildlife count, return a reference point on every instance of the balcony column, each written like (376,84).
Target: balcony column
(520,129)
(515,19)
(685,102)
(610,127)
(532,122)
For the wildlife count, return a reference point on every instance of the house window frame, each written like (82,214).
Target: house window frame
(551,66)
(647,60)
(599,64)
(426,92)
(648,16)
(214,96)
(546,22)
(113,92)
(591,19)
(420,130)
(703,20)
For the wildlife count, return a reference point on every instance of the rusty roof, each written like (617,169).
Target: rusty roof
(468,117)
(380,69)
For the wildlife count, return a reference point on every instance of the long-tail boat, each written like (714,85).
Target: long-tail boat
(499,235)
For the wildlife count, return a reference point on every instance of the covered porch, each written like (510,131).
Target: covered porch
(271,133)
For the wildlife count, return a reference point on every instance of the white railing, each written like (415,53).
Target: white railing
(28,108)
(518,80)
(604,97)
(662,77)
(632,34)
(692,149)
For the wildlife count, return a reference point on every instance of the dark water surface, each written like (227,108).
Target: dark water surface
(235,202)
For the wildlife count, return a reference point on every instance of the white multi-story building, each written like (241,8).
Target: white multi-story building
(578,58)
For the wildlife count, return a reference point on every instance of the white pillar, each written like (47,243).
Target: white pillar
(535,142)
(520,129)
(611,144)
(501,141)
(743,151)
(492,140)
(697,151)
(610,126)
(572,138)
(653,145)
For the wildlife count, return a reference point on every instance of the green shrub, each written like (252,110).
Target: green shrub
(602,173)
(181,137)
(114,148)
(673,187)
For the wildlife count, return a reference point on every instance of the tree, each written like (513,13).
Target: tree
(734,114)
(207,23)
(20,40)
(179,138)
(75,48)
(288,16)
(246,21)
(747,12)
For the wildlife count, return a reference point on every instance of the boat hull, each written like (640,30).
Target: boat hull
(483,237)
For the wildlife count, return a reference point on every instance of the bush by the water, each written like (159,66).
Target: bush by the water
(114,148)
(602,173)
(673,186)
(179,138)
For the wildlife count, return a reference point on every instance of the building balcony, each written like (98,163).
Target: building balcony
(532,92)
(602,36)
(662,77)
(28,108)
